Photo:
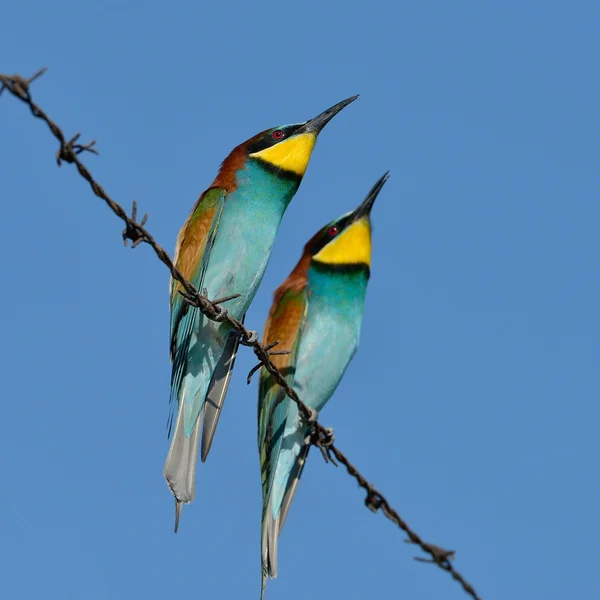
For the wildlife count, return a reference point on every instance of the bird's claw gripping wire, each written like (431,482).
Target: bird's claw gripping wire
(328,437)
(323,439)
(270,352)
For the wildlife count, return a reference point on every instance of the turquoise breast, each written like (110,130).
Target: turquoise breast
(246,234)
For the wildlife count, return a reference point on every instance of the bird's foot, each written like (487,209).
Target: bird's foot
(323,439)
(328,437)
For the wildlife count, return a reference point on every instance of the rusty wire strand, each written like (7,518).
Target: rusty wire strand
(135,232)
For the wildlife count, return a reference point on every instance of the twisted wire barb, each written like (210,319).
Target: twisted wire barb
(322,437)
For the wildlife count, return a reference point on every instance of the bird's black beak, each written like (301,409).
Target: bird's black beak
(320,121)
(367,204)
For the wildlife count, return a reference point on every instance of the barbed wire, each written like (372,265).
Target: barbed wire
(135,232)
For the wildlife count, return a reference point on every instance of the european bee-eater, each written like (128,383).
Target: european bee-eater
(223,248)
(316,315)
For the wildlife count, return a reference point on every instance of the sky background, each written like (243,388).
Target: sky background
(473,401)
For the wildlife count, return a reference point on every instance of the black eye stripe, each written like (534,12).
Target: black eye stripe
(325,235)
(269,138)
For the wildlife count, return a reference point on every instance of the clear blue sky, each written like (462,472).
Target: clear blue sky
(473,401)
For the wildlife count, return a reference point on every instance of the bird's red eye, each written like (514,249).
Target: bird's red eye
(332,230)
(278,134)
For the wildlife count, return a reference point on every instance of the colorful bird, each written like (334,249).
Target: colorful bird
(316,315)
(223,248)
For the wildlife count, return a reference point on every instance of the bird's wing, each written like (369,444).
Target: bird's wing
(217,391)
(194,245)
(284,324)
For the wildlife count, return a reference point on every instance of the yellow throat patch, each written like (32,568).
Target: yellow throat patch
(292,154)
(351,247)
